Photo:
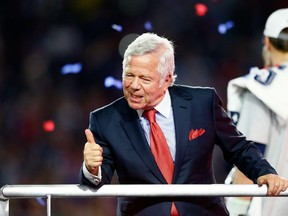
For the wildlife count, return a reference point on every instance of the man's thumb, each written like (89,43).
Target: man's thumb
(260,181)
(89,136)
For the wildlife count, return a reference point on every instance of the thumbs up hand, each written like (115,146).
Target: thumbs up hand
(92,153)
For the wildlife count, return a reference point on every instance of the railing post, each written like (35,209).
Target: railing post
(48,205)
(4,204)
(4,207)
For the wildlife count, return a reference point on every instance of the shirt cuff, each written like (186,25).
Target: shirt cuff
(95,179)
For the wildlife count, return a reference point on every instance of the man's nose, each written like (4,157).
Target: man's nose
(135,83)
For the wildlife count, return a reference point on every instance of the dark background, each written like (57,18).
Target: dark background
(39,37)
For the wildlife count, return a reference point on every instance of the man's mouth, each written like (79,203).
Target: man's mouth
(135,98)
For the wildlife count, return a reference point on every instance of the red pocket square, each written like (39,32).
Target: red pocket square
(193,134)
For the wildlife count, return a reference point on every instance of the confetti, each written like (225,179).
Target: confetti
(201,9)
(41,201)
(117,27)
(71,68)
(49,126)
(224,27)
(148,26)
(110,81)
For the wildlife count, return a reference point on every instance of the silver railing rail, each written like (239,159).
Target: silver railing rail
(78,191)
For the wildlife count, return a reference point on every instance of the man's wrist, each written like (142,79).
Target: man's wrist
(95,179)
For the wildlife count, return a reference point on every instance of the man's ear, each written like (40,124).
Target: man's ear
(267,43)
(168,78)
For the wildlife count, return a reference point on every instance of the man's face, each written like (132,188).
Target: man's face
(266,56)
(266,53)
(141,82)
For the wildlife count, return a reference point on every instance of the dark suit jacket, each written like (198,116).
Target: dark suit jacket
(116,127)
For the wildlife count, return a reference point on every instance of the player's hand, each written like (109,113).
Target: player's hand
(276,184)
(92,153)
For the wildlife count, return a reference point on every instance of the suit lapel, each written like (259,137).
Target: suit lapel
(182,104)
(139,142)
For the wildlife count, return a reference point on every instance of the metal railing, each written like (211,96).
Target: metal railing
(77,191)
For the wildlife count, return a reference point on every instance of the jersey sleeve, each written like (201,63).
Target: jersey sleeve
(254,119)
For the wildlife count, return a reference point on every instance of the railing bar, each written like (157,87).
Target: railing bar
(61,191)
(147,190)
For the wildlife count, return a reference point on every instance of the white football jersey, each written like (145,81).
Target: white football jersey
(258,105)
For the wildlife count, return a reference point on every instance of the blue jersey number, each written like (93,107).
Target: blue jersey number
(266,77)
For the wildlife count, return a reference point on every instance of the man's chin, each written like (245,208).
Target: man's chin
(136,106)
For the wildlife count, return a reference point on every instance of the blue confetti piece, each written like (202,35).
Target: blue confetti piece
(71,68)
(148,26)
(117,27)
(41,201)
(110,82)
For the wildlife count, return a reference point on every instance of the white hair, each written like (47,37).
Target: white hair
(149,43)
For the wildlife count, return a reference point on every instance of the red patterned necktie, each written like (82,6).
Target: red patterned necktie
(161,152)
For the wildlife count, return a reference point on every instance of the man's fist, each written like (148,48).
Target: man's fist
(92,153)
(276,184)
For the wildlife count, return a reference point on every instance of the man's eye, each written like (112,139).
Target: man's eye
(128,75)
(146,79)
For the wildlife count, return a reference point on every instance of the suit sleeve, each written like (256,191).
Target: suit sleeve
(107,167)
(236,148)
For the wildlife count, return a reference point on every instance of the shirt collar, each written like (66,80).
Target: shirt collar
(163,107)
